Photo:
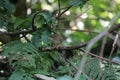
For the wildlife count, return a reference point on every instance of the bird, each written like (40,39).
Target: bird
(57,39)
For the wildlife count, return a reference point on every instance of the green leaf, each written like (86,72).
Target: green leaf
(80,3)
(29,77)
(1,23)
(29,47)
(17,75)
(47,16)
(41,37)
(36,39)
(30,62)
(39,21)
(6,5)
(44,18)
(62,69)
(23,53)
(18,22)
(82,77)
(12,47)
(45,38)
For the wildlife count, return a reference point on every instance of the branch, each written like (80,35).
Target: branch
(77,46)
(99,57)
(33,29)
(88,78)
(63,48)
(64,11)
(59,5)
(91,43)
(78,30)
(55,11)
(115,28)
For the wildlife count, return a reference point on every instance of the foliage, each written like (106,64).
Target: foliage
(34,51)
(94,71)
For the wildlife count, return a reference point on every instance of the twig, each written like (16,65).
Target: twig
(64,11)
(63,47)
(58,13)
(61,8)
(24,31)
(24,36)
(99,57)
(58,7)
(114,28)
(113,47)
(77,69)
(78,30)
(91,43)
(77,46)
(19,32)
(89,46)
(103,46)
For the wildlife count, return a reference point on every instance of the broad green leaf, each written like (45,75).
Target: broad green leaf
(45,38)
(47,15)
(41,37)
(80,3)
(39,21)
(18,22)
(6,5)
(45,18)
(36,39)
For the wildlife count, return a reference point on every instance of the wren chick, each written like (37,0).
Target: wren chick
(57,39)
